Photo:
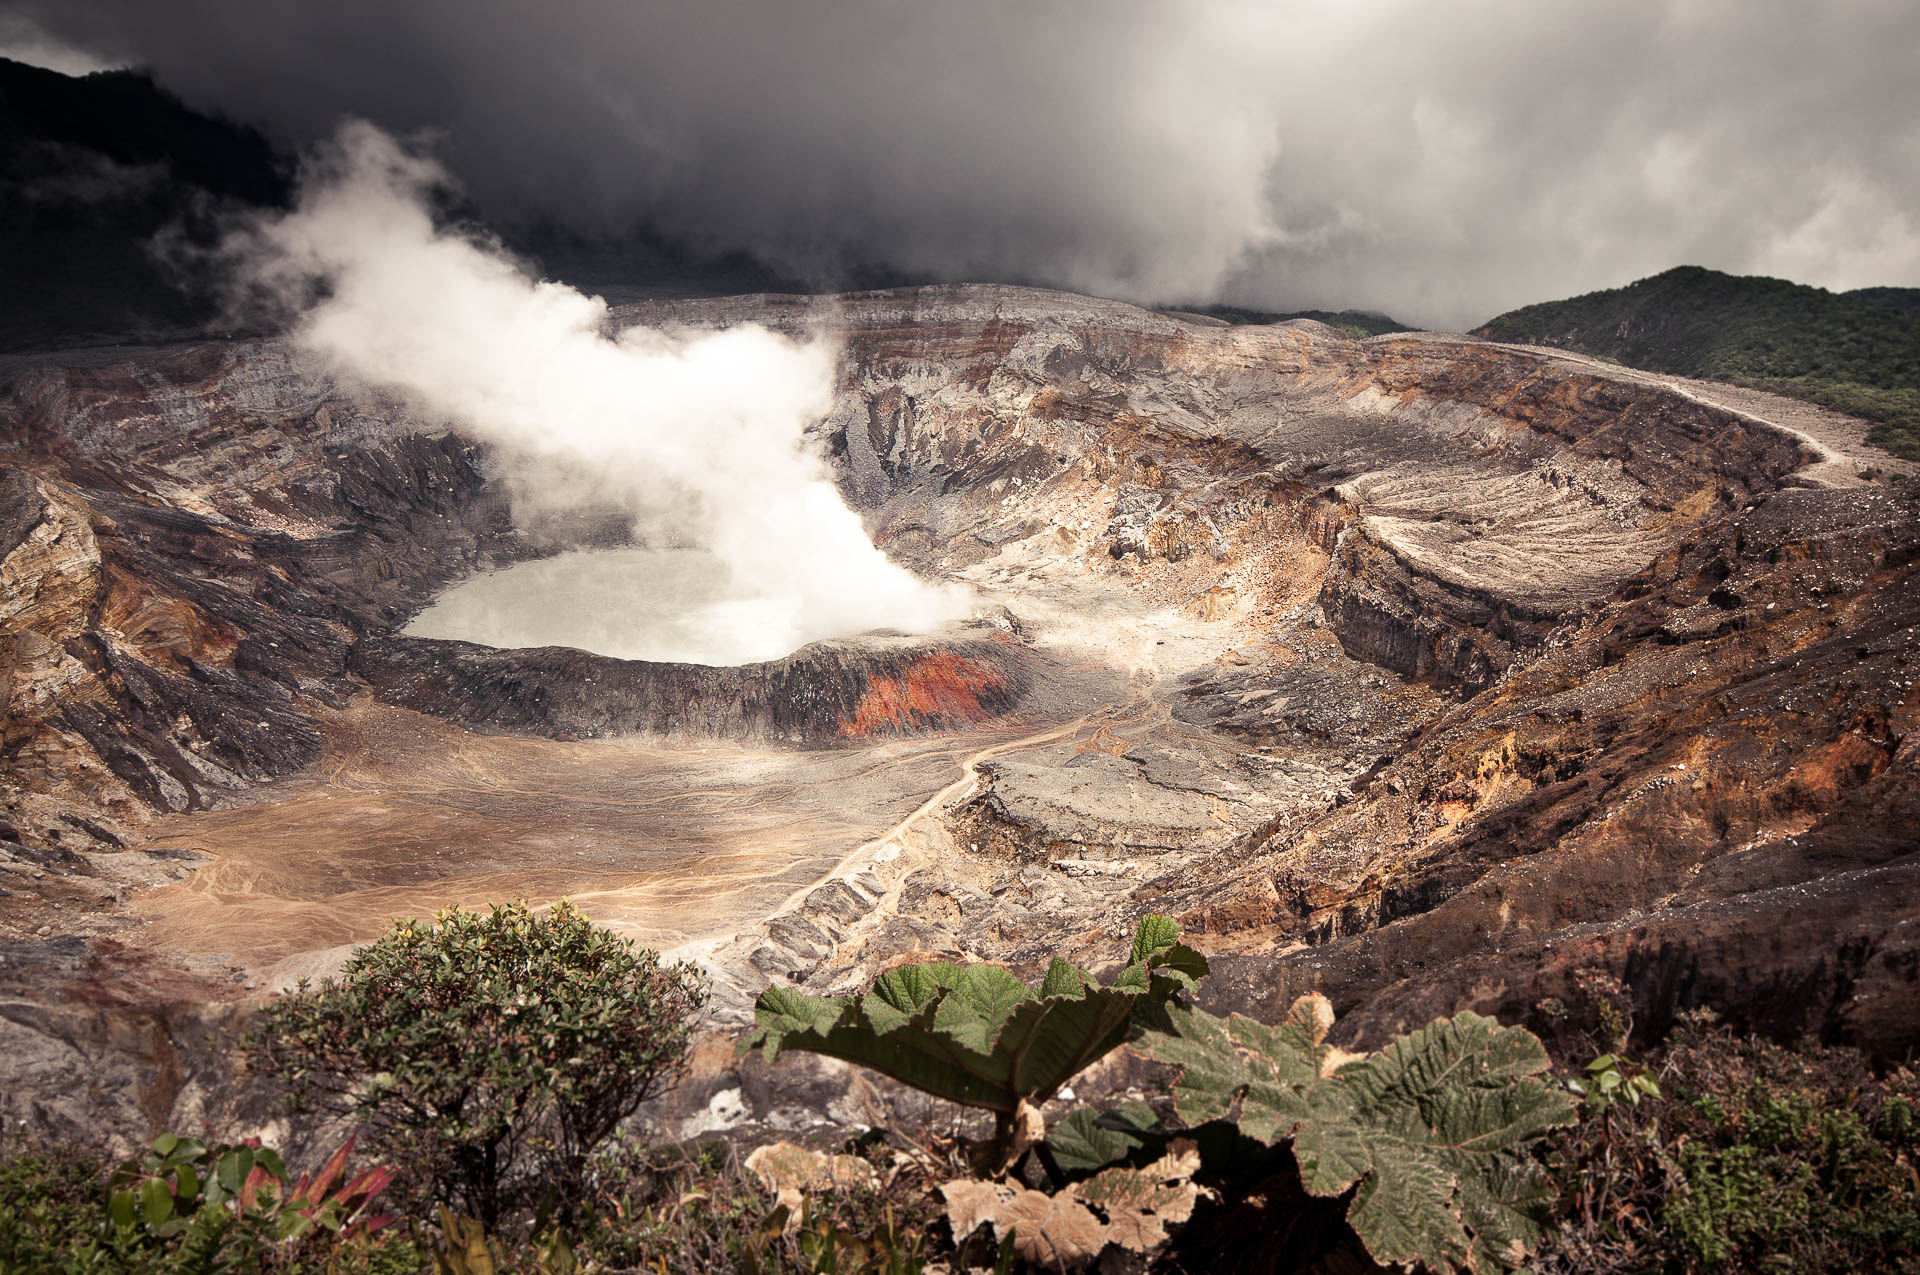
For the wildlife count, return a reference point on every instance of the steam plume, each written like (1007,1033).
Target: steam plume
(700,435)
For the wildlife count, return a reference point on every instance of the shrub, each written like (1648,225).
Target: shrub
(489,1053)
(51,1214)
(186,1209)
(1752,1157)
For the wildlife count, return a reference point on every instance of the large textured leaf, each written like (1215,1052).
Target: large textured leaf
(1267,1070)
(978,1004)
(1089,1139)
(1437,1129)
(975,1034)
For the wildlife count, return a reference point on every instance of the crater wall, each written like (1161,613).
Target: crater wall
(1423,671)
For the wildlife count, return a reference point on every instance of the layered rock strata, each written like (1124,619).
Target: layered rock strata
(1421,671)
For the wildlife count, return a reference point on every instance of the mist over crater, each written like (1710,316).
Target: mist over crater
(698,439)
(674,606)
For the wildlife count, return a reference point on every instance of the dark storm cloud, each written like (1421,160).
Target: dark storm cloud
(22,40)
(1440,161)
(1498,154)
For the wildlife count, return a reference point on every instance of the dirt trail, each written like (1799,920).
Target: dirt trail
(957,791)
(888,862)
(619,907)
(1839,441)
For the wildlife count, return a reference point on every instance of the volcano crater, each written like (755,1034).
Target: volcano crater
(1422,670)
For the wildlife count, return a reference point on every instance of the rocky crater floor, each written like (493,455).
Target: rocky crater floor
(1422,671)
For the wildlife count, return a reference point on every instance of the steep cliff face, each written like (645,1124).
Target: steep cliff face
(824,695)
(218,531)
(1710,789)
(1482,493)
(1415,669)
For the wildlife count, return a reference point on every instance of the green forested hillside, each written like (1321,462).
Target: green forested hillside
(1858,352)
(1907,299)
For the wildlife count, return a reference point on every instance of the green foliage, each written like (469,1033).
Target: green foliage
(51,1218)
(654,1209)
(1609,1079)
(1856,352)
(1735,1197)
(487,1053)
(1752,1157)
(975,1034)
(1089,1139)
(831,1248)
(232,1205)
(185,1207)
(1434,1134)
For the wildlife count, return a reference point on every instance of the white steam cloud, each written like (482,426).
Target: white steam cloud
(699,434)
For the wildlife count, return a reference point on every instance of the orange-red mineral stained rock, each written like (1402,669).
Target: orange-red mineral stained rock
(942,689)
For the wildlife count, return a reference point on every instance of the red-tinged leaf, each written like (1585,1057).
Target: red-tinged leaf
(330,1174)
(250,1189)
(369,1184)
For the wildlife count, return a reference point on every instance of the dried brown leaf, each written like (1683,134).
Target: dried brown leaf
(783,1165)
(1130,1208)
(1139,1203)
(790,1171)
(1055,1231)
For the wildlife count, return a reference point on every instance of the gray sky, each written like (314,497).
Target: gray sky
(1441,162)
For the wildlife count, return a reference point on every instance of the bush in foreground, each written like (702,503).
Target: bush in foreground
(1269,1150)
(1754,1157)
(488,1054)
(187,1209)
